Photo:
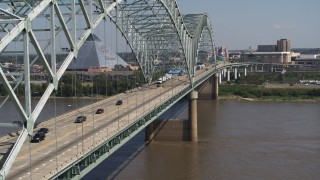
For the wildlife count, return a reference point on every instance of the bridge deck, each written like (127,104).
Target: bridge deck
(68,141)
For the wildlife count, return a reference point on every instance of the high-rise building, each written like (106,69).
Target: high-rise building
(284,45)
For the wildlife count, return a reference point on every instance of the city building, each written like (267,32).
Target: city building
(222,53)
(280,53)
(308,59)
(234,55)
(284,45)
(267,57)
(94,53)
(267,48)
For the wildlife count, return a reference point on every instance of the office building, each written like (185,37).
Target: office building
(284,45)
(267,48)
(267,57)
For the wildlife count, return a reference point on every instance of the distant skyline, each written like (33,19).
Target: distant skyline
(240,24)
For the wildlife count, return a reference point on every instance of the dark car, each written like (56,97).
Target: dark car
(80,119)
(43,130)
(38,137)
(119,102)
(99,111)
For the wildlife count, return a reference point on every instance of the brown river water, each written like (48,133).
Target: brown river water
(237,140)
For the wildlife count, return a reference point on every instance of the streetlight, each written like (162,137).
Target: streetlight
(137,101)
(118,117)
(69,105)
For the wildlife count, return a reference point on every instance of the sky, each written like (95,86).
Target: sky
(240,24)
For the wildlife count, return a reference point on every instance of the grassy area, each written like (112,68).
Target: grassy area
(250,87)
(260,92)
(289,77)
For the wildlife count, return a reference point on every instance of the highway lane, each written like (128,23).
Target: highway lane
(73,139)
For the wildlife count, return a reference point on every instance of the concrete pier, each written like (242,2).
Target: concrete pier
(216,86)
(149,132)
(235,73)
(193,116)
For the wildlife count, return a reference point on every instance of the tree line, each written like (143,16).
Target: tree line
(70,85)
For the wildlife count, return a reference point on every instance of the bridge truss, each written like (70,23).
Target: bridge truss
(34,28)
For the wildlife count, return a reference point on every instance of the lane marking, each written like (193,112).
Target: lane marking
(24,165)
(47,152)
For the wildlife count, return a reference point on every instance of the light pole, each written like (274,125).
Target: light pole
(137,100)
(118,116)
(77,131)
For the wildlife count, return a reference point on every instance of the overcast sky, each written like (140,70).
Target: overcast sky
(238,24)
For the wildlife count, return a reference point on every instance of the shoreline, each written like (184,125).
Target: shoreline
(239,98)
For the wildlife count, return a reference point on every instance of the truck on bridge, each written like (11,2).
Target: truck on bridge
(164,78)
(161,80)
(178,71)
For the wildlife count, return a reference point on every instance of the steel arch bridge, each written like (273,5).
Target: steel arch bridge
(33,27)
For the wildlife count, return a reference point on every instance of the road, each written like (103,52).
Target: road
(67,141)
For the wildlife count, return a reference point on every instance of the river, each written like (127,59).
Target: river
(237,140)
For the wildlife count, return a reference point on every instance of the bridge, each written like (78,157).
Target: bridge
(71,150)
(37,29)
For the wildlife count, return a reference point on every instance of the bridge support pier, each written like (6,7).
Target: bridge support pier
(149,132)
(235,73)
(193,116)
(220,77)
(245,71)
(216,86)
(228,75)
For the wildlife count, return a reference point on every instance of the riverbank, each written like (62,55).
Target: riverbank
(269,93)
(239,98)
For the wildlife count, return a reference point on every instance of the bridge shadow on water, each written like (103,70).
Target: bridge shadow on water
(113,165)
(119,160)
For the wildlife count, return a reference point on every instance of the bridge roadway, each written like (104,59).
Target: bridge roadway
(67,141)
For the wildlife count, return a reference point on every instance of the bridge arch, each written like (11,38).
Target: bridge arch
(151,28)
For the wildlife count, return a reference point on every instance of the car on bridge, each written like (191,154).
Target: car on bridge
(80,119)
(119,102)
(39,136)
(43,130)
(99,111)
